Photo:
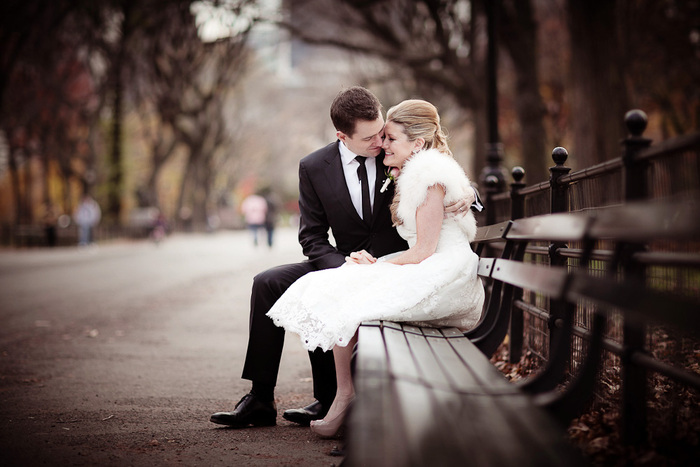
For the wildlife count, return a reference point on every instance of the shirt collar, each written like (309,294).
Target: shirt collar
(346,155)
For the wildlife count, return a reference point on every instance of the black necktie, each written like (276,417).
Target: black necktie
(362,175)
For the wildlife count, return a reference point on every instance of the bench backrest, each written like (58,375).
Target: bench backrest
(628,231)
(633,225)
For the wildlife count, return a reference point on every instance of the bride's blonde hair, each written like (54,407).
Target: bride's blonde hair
(419,119)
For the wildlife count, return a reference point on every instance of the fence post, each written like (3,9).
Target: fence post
(559,202)
(635,171)
(634,377)
(559,192)
(517,207)
(493,187)
(517,211)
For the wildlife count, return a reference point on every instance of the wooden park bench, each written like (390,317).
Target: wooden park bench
(429,396)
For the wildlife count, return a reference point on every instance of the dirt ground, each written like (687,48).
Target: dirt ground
(118,354)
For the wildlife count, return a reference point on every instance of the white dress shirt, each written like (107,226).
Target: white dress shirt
(350,166)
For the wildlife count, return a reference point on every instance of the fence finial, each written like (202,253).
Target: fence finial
(636,122)
(517,200)
(559,155)
(492,182)
(518,173)
(559,199)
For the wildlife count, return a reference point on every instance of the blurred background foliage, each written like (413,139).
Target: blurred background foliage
(188,106)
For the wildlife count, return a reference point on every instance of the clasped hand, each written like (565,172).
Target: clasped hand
(458,207)
(360,257)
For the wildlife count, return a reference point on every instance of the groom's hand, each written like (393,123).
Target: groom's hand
(462,205)
(360,257)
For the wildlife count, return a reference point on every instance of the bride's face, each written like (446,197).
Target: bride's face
(397,147)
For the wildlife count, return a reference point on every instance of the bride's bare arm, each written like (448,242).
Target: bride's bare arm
(429,218)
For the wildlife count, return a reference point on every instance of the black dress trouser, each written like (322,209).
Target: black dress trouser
(265,340)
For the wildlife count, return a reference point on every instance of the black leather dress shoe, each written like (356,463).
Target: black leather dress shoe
(304,416)
(249,411)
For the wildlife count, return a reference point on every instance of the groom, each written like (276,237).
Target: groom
(335,188)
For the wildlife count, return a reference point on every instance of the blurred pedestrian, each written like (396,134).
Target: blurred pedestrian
(160,229)
(270,216)
(87,216)
(254,209)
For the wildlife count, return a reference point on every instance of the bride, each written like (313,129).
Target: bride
(434,282)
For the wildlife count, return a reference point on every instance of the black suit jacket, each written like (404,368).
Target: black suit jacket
(325,204)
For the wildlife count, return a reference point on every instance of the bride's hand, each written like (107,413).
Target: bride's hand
(360,257)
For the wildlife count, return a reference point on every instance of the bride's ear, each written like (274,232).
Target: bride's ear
(418,145)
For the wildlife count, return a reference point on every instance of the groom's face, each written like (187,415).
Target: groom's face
(367,139)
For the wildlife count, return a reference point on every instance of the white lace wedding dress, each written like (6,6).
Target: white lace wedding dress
(326,307)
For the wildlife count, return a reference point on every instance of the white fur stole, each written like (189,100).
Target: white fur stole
(424,169)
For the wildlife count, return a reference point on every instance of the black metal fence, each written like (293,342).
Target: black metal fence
(665,362)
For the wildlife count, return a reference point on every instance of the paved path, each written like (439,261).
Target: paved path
(118,354)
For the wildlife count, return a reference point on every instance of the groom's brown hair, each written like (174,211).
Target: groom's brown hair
(353,104)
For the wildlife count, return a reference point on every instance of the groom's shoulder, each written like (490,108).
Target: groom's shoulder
(321,155)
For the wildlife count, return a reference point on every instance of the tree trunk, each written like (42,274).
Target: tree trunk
(200,180)
(200,214)
(16,190)
(160,153)
(519,36)
(27,182)
(115,177)
(116,169)
(183,218)
(598,99)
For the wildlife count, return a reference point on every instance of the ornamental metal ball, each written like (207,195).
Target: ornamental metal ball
(559,155)
(518,173)
(491,181)
(636,122)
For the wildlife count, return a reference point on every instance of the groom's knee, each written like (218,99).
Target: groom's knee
(275,281)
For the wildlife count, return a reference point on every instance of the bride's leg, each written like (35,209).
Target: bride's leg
(346,390)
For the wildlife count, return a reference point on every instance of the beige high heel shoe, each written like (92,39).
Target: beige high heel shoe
(331,428)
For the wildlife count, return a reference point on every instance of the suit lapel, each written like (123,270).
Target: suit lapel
(380,199)
(336,178)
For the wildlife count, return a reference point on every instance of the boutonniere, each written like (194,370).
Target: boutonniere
(391,175)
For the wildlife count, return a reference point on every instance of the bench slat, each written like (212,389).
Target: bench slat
(642,222)
(415,406)
(480,367)
(485,267)
(491,233)
(552,228)
(636,301)
(373,351)
(460,377)
(538,431)
(401,364)
(461,433)
(451,332)
(427,366)
(549,280)
(476,433)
